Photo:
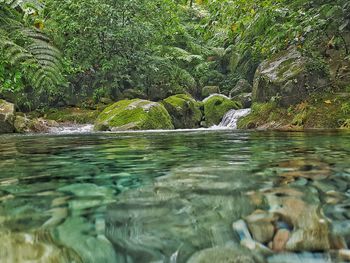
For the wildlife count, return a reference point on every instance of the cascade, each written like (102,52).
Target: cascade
(231,118)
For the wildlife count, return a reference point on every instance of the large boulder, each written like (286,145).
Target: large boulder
(134,114)
(209,90)
(184,111)
(245,99)
(287,78)
(23,124)
(242,86)
(7,116)
(216,106)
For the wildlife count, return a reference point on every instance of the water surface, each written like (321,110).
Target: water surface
(165,196)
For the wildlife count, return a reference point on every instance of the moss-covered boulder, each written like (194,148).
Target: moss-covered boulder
(242,86)
(134,114)
(210,90)
(245,99)
(215,107)
(23,124)
(7,116)
(184,111)
(287,78)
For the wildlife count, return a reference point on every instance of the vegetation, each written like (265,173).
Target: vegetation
(83,52)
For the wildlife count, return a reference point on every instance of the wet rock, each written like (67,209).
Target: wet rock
(245,99)
(311,169)
(300,258)
(222,255)
(190,211)
(280,240)
(246,240)
(310,228)
(38,247)
(7,117)
(242,86)
(344,255)
(78,234)
(261,226)
(286,78)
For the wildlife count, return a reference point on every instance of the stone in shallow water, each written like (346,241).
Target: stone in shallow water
(280,240)
(177,215)
(260,224)
(38,247)
(222,255)
(311,230)
(77,233)
(300,258)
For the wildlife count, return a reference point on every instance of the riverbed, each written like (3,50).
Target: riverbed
(184,196)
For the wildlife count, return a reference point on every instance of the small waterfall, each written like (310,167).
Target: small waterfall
(231,118)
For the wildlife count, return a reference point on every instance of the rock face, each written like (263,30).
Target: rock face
(209,90)
(242,86)
(245,99)
(7,116)
(184,111)
(216,106)
(134,114)
(286,78)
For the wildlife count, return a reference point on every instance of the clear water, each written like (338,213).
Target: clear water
(164,196)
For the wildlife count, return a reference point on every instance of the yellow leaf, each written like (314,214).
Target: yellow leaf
(327,102)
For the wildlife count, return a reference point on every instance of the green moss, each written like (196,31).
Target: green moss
(319,111)
(134,114)
(216,107)
(184,111)
(261,113)
(75,115)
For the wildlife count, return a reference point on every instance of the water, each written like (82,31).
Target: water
(231,118)
(194,196)
(71,129)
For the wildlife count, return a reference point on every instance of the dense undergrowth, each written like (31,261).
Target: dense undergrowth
(76,53)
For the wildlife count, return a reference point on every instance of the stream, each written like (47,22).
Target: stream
(184,196)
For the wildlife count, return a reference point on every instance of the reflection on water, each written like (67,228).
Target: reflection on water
(203,196)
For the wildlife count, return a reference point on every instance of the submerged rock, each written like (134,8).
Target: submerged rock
(261,225)
(176,217)
(222,255)
(184,111)
(7,117)
(216,106)
(287,79)
(34,247)
(134,114)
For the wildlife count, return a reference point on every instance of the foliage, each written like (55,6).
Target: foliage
(157,47)
(29,62)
